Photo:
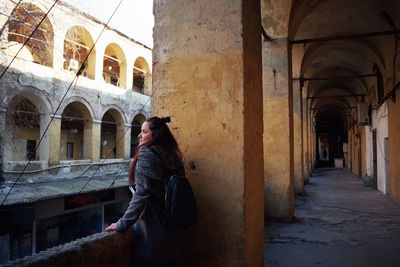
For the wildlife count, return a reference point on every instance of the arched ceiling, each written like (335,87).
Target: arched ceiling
(342,40)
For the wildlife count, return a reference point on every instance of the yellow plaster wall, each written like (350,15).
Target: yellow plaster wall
(108,149)
(279,189)
(206,82)
(19,140)
(55,145)
(278,131)
(66,136)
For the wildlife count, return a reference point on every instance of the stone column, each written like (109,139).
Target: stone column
(100,49)
(129,73)
(58,51)
(278,130)
(207,75)
(55,137)
(127,142)
(298,138)
(92,141)
(306,152)
(121,137)
(44,148)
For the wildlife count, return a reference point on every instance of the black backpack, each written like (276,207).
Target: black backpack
(180,208)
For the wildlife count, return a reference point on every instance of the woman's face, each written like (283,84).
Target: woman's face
(145,134)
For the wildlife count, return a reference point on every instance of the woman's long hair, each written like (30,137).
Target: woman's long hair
(161,136)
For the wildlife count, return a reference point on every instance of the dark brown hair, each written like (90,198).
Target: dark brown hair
(160,136)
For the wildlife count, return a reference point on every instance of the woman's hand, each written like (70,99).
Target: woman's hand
(111,228)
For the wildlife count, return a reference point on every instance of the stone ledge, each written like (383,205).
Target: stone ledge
(103,249)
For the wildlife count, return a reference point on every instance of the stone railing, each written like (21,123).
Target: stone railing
(104,249)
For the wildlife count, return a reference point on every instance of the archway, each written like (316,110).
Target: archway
(114,66)
(23,21)
(23,121)
(141,76)
(76,132)
(112,131)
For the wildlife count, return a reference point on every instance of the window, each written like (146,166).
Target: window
(70,150)
(30,149)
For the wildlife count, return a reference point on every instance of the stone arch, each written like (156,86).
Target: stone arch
(117,109)
(112,135)
(141,76)
(81,100)
(39,48)
(35,95)
(77,44)
(114,65)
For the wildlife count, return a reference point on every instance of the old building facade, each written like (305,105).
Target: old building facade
(74,93)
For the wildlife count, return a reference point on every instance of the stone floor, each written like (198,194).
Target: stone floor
(339,222)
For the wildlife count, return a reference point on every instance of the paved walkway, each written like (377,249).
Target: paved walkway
(339,223)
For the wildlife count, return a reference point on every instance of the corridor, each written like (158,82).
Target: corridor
(339,222)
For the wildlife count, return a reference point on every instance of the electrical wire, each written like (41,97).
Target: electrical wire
(111,150)
(27,40)
(65,94)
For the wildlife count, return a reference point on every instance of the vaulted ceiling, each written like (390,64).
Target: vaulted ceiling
(342,40)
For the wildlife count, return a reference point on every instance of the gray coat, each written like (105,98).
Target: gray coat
(154,243)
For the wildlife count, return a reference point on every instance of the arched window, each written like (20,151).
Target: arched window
(141,76)
(114,66)
(23,22)
(77,44)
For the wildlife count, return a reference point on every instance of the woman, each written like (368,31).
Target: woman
(157,156)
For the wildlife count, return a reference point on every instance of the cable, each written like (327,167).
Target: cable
(65,94)
(37,146)
(27,40)
(109,153)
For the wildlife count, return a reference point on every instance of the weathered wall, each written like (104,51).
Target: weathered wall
(48,85)
(18,138)
(394,144)
(207,77)
(380,123)
(278,157)
(103,249)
